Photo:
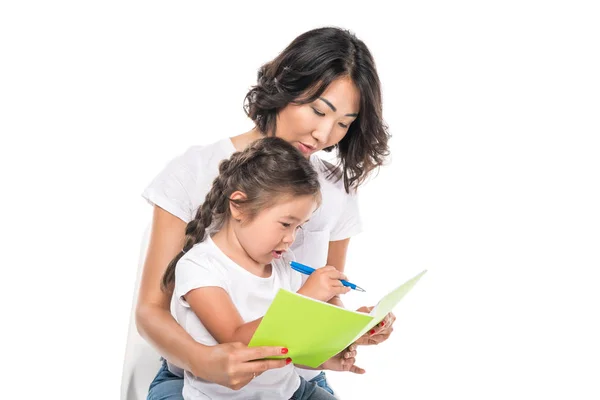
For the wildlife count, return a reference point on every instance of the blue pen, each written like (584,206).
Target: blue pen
(306,270)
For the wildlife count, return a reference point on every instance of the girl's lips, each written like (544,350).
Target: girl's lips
(276,254)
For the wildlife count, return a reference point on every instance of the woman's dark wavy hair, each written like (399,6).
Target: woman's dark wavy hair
(302,72)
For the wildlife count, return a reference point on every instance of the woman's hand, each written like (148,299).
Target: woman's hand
(380,332)
(344,361)
(324,283)
(234,365)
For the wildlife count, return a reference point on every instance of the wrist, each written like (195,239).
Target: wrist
(313,294)
(304,292)
(336,301)
(320,367)
(198,360)
(324,365)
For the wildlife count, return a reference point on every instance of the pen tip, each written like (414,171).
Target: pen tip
(360,289)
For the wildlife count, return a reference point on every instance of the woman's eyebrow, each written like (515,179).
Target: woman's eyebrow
(324,100)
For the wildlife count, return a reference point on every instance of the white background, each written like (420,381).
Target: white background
(494,184)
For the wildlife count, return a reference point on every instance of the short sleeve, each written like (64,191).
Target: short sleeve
(172,188)
(201,272)
(349,223)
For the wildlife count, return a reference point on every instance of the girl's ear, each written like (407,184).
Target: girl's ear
(234,206)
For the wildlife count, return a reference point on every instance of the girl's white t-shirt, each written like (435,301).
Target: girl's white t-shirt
(206,265)
(181,187)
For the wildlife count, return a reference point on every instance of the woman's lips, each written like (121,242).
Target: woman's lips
(305,148)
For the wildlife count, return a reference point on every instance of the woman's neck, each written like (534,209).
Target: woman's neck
(240,142)
(228,243)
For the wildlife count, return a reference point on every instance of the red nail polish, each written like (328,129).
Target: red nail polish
(287,361)
(372,331)
(284,350)
(382,323)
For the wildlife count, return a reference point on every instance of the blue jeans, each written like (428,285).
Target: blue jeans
(168,386)
(312,391)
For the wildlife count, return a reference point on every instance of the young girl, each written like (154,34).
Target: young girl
(321,93)
(232,263)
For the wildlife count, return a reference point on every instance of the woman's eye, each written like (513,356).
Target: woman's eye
(319,113)
(285,224)
(343,125)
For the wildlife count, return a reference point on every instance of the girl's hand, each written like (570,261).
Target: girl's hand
(324,283)
(234,365)
(344,361)
(380,332)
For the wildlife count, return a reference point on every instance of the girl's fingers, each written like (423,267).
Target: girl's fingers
(335,274)
(341,289)
(347,363)
(357,370)
(350,354)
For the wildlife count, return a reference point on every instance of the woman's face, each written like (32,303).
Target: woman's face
(314,126)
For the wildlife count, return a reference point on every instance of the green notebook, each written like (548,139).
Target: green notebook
(314,331)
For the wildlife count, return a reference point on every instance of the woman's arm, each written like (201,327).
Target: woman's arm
(227,364)
(336,256)
(153,317)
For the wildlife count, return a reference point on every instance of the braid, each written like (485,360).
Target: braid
(214,206)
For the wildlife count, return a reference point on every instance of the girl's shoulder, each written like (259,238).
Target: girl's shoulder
(203,254)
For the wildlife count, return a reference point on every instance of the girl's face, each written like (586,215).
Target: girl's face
(273,230)
(314,126)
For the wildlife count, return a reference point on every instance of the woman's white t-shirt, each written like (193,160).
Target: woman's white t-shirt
(181,187)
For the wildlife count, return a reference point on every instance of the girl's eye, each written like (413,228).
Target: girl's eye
(343,125)
(319,113)
(285,224)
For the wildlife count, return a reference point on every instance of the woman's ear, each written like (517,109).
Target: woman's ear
(234,207)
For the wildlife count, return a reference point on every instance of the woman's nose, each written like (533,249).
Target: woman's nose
(322,133)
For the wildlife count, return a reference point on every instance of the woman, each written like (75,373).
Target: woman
(321,93)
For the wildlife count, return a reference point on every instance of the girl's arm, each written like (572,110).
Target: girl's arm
(214,307)
(220,316)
